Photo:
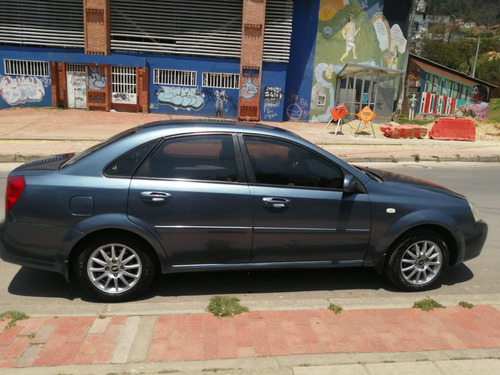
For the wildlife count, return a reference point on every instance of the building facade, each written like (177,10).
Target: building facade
(434,91)
(269,60)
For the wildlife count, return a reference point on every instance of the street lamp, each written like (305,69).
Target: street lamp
(478,36)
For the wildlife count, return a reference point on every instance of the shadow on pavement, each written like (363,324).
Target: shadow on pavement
(36,283)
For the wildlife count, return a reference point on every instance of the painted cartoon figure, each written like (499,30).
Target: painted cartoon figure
(349,33)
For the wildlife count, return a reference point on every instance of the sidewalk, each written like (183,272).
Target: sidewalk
(390,341)
(29,133)
(454,340)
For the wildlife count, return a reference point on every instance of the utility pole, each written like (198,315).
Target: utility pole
(477,52)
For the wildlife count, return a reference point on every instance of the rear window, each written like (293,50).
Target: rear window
(97,147)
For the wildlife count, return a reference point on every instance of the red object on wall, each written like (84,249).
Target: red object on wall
(452,129)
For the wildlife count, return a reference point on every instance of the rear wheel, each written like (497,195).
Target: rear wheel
(418,261)
(114,269)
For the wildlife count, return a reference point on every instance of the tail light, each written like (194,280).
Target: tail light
(15,187)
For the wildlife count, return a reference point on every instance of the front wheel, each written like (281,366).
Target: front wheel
(418,261)
(114,269)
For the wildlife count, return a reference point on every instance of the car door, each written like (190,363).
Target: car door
(301,213)
(189,192)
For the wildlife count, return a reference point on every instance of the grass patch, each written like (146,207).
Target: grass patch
(13,316)
(427,304)
(337,309)
(466,305)
(494,111)
(225,306)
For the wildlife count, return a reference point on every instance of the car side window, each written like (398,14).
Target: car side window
(126,165)
(276,162)
(198,157)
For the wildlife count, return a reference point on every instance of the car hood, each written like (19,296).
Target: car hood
(392,177)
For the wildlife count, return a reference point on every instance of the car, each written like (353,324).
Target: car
(205,195)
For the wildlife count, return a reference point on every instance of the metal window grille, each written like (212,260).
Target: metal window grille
(75,68)
(221,80)
(123,85)
(174,77)
(26,68)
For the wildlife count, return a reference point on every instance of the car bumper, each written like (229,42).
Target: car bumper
(474,238)
(32,246)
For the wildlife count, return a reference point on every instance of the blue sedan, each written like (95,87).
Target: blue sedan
(185,196)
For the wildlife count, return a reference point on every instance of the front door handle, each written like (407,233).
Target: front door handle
(155,196)
(276,202)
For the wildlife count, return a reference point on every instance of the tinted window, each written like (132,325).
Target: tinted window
(277,162)
(201,157)
(126,165)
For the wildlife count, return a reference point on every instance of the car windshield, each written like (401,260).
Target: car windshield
(97,147)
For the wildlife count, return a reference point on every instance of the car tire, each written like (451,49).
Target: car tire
(114,269)
(418,261)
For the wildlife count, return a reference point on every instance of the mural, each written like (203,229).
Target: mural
(479,101)
(351,31)
(21,90)
(439,96)
(188,98)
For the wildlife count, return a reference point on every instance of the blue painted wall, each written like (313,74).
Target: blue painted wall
(285,88)
(300,69)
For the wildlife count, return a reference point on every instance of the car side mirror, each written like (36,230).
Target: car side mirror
(352,185)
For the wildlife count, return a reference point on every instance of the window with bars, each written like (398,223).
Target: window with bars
(75,68)
(221,80)
(123,85)
(174,77)
(26,68)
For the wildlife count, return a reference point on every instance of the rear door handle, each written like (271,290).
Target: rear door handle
(276,202)
(155,196)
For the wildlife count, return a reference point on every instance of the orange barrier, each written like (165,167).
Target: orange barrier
(460,129)
(404,131)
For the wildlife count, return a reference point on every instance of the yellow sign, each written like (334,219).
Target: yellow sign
(366,115)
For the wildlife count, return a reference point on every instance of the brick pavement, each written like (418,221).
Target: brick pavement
(53,341)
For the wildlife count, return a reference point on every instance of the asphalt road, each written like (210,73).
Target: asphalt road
(40,293)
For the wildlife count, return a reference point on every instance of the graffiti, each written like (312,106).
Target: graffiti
(224,105)
(220,102)
(187,98)
(272,100)
(20,90)
(298,110)
(97,80)
(249,88)
(77,90)
(124,98)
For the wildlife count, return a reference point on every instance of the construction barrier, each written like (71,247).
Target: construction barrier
(404,131)
(453,129)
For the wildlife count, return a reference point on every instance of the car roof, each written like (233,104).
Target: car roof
(212,125)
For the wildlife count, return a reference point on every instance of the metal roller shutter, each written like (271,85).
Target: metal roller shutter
(181,27)
(42,23)
(196,27)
